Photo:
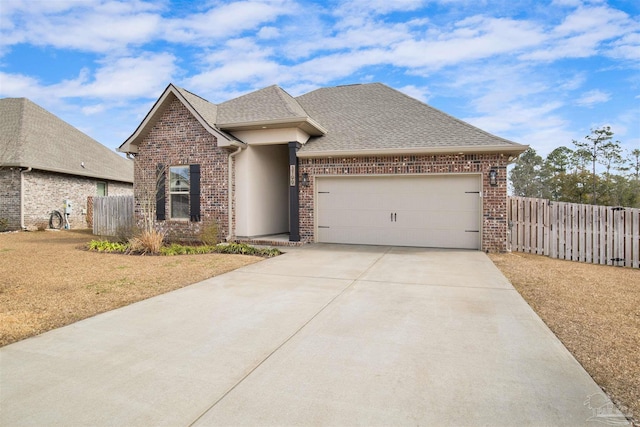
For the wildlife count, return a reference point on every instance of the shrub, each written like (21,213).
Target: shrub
(210,234)
(244,249)
(148,242)
(4,224)
(136,246)
(107,246)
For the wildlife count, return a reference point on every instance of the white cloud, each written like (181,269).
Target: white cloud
(18,85)
(352,9)
(583,33)
(238,63)
(323,69)
(224,21)
(118,78)
(592,97)
(571,3)
(92,26)
(268,32)
(573,82)
(421,93)
(90,110)
(475,38)
(627,47)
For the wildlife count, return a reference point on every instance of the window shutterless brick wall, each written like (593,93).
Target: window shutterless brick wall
(494,200)
(177,138)
(10,197)
(45,192)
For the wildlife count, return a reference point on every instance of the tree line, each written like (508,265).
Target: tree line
(594,171)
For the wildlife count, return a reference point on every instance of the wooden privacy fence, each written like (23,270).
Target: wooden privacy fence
(594,234)
(112,215)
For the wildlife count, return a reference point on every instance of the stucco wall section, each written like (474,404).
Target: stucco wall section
(10,197)
(177,138)
(45,192)
(494,201)
(262,191)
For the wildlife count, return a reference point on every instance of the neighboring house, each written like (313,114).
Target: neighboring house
(361,164)
(44,161)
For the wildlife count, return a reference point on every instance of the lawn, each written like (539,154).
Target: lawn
(48,280)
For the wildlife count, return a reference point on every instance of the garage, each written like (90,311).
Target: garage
(440,211)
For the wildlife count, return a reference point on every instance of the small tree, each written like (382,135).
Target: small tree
(557,165)
(150,184)
(526,176)
(598,148)
(634,160)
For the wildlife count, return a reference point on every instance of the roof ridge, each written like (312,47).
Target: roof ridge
(194,94)
(288,98)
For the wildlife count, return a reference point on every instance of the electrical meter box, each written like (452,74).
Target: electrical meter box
(67,206)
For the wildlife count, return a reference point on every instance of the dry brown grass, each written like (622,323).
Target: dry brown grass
(594,310)
(47,280)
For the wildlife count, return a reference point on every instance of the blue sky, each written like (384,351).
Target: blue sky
(536,72)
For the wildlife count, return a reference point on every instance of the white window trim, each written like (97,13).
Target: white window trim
(171,193)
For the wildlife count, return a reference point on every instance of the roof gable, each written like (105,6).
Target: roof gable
(266,108)
(30,136)
(270,103)
(372,118)
(204,111)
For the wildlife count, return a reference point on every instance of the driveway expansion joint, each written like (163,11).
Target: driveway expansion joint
(289,338)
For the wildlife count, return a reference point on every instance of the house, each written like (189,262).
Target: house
(362,164)
(45,161)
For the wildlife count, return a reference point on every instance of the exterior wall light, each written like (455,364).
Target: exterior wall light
(493,177)
(305,179)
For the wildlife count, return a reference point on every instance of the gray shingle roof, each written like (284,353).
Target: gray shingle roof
(207,110)
(376,117)
(268,104)
(368,118)
(30,136)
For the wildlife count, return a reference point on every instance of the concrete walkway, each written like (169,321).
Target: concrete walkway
(323,335)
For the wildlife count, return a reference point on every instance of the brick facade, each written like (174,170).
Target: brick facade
(10,197)
(494,201)
(45,192)
(177,138)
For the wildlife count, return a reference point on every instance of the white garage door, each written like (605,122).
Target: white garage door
(441,211)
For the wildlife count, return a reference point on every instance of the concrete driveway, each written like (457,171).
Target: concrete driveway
(323,335)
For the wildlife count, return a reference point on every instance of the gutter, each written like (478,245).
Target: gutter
(22,172)
(240,147)
(504,149)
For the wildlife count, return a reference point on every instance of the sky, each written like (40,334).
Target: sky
(541,73)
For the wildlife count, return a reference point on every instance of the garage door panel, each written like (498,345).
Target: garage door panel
(445,219)
(431,211)
(352,218)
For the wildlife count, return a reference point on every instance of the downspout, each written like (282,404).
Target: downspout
(230,234)
(22,172)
